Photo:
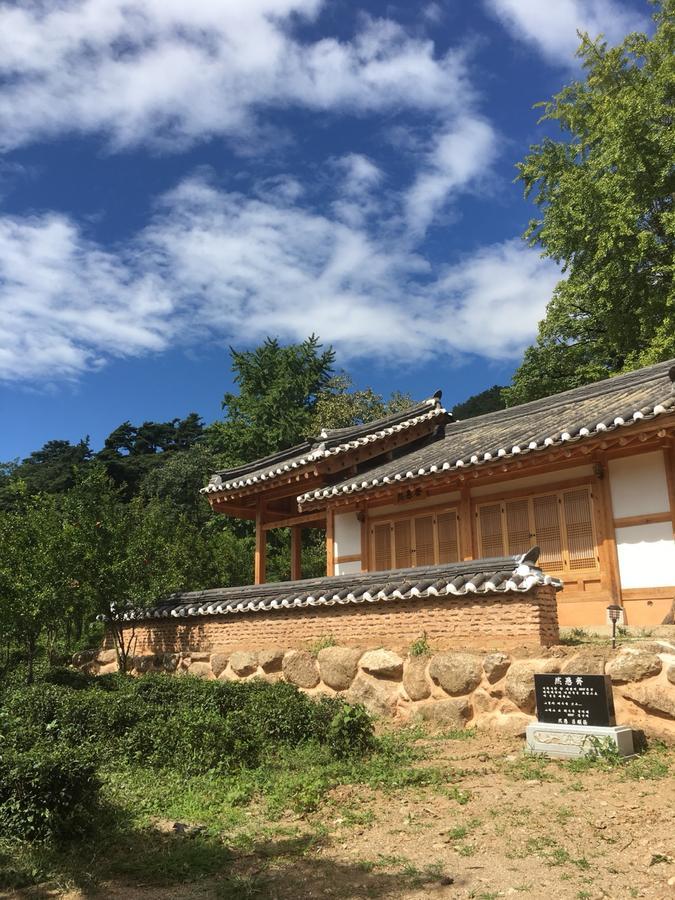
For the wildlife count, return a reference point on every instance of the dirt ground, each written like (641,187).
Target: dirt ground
(502,825)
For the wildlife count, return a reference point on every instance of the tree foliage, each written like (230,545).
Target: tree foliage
(604,191)
(486,401)
(276,404)
(86,534)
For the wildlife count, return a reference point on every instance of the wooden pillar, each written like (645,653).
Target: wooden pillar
(465,524)
(609,560)
(296,552)
(260,544)
(330,549)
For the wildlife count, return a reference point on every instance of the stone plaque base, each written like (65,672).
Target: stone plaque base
(566,741)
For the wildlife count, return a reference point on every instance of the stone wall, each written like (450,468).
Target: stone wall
(468,619)
(489,689)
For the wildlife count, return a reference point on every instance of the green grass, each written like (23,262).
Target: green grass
(243,813)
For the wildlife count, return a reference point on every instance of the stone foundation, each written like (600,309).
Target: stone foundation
(486,689)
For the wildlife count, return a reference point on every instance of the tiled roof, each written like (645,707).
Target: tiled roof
(572,416)
(331,442)
(501,575)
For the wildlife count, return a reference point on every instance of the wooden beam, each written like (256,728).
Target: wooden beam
(260,545)
(309,520)
(237,512)
(653,518)
(296,552)
(330,547)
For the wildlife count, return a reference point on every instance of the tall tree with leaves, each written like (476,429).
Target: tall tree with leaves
(35,582)
(127,554)
(605,194)
(275,407)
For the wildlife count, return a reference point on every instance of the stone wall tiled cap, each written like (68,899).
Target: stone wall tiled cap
(480,577)
(574,415)
(329,443)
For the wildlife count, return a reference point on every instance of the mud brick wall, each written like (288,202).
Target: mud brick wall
(447,621)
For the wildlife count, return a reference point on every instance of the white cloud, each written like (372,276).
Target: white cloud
(461,155)
(552,26)
(67,306)
(168,72)
(219,266)
(360,195)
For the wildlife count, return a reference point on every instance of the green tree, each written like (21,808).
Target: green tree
(35,582)
(276,404)
(486,401)
(178,480)
(338,405)
(605,192)
(127,554)
(133,452)
(52,469)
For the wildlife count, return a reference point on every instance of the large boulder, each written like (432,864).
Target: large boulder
(83,658)
(218,663)
(633,665)
(338,666)
(271,660)
(170,661)
(300,668)
(415,681)
(201,669)
(519,685)
(496,665)
(457,673)
(482,702)
(512,725)
(382,664)
(586,662)
(108,668)
(107,656)
(670,674)
(243,663)
(656,699)
(379,696)
(445,713)
(143,663)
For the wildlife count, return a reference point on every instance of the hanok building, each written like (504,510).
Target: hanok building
(588,475)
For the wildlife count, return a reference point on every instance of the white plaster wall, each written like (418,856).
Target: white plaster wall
(346,542)
(646,555)
(638,485)
(348,568)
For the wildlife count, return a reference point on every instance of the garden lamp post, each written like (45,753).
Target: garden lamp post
(614,613)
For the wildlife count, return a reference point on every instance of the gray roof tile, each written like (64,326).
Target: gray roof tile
(552,421)
(481,577)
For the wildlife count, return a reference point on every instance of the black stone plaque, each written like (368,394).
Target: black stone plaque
(574,699)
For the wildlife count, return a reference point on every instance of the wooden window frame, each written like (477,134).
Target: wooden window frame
(410,515)
(558,491)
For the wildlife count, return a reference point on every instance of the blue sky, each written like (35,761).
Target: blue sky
(179,177)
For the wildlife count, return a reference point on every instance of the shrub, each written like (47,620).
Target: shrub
(350,732)
(69,676)
(47,793)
